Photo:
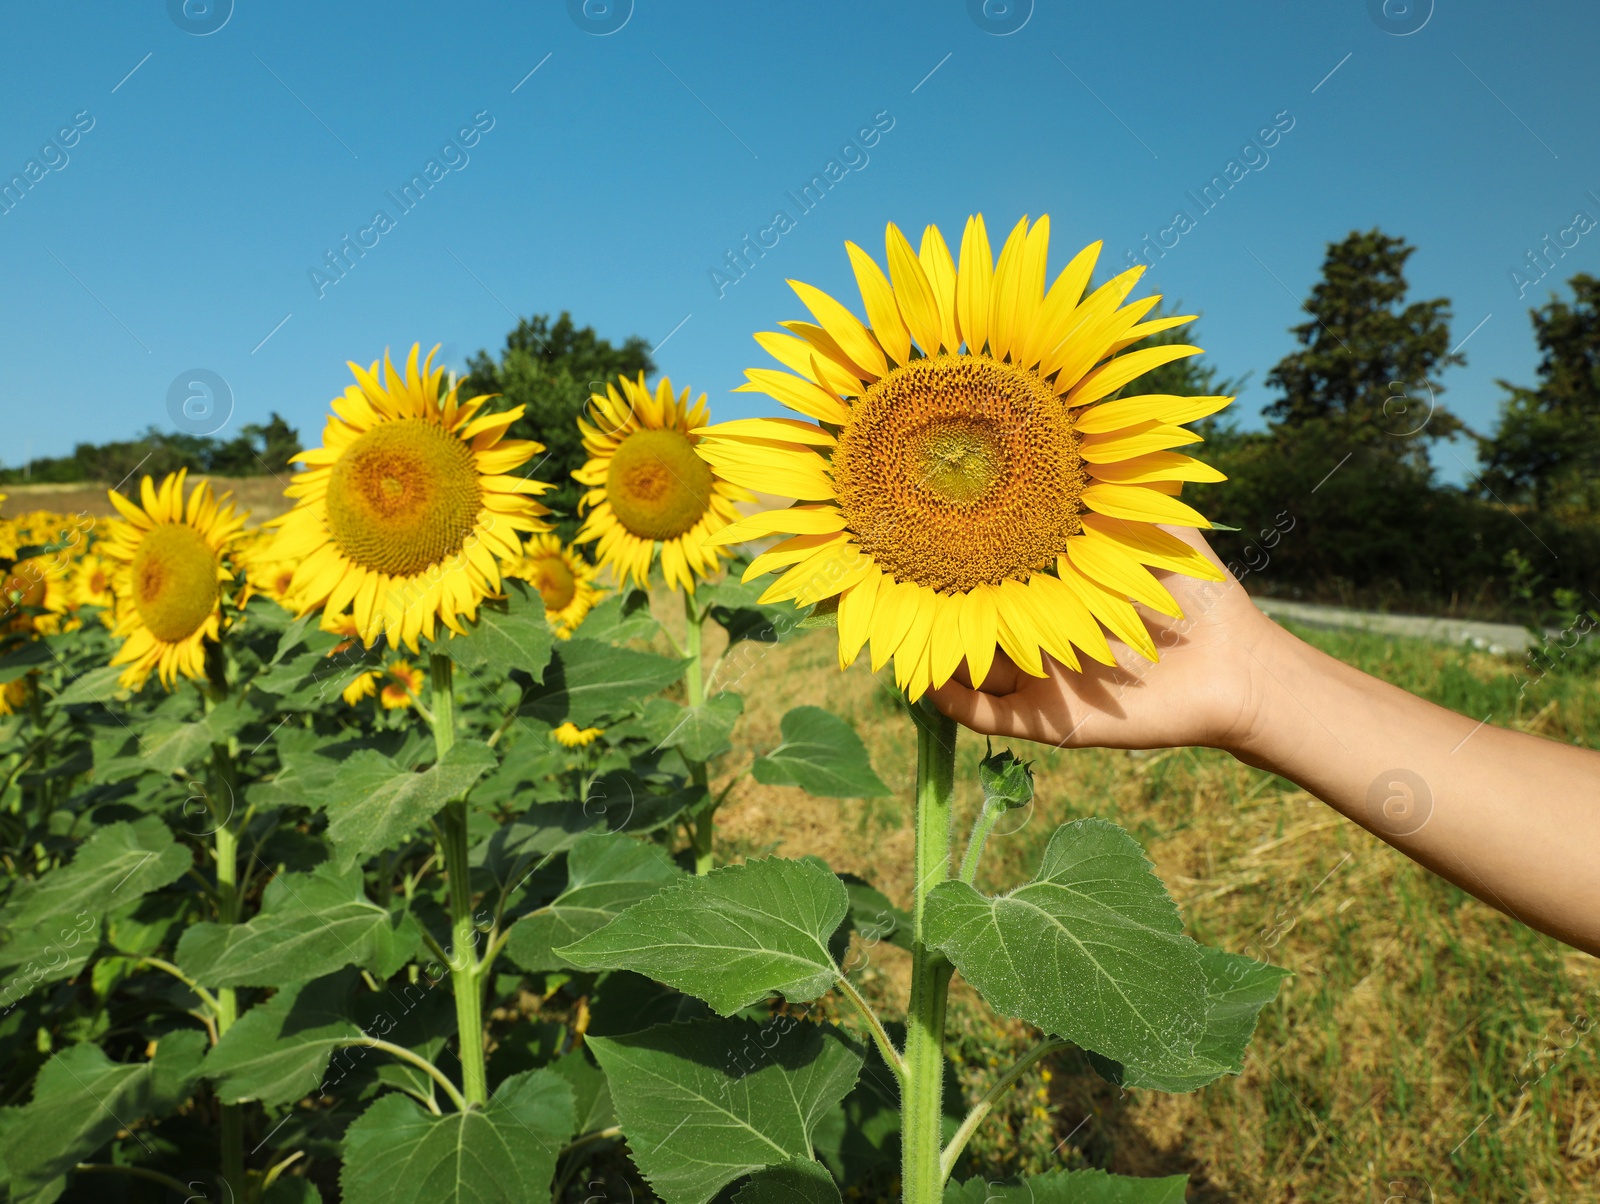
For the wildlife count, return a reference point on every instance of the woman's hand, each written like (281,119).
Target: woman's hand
(1204,690)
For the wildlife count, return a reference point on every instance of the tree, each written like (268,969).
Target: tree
(1367,371)
(1546,448)
(551,368)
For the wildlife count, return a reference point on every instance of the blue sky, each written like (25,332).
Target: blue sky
(180,230)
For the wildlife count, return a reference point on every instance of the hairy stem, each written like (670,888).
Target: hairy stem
(922,1179)
(466,970)
(702,831)
(981,827)
(880,1035)
(417,1060)
(992,1097)
(227,999)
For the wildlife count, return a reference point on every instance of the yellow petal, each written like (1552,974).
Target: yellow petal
(831,367)
(1009,282)
(979,624)
(1108,378)
(1151,545)
(1141,503)
(789,551)
(855,616)
(1113,610)
(940,271)
(1144,330)
(1170,408)
(912,291)
(1102,561)
(1050,326)
(791,520)
(845,329)
(783,430)
(892,615)
(887,324)
(1156,466)
(797,394)
(1134,441)
(974,283)
(1014,627)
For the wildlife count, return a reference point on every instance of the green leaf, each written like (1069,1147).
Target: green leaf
(606,874)
(24,659)
(620,618)
(380,804)
(588,681)
(822,755)
(732,937)
(81,1100)
(1091,950)
(310,925)
(874,916)
(167,745)
(800,1181)
(517,637)
(737,607)
(278,1051)
(590,1094)
(51,922)
(701,732)
(1237,988)
(703,1104)
(1071,1187)
(97,685)
(505,1153)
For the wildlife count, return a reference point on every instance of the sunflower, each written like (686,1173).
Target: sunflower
(408,506)
(570,735)
(564,579)
(14,694)
(647,485)
(169,577)
(967,480)
(396,687)
(90,583)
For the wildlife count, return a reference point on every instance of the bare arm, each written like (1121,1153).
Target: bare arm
(1512,818)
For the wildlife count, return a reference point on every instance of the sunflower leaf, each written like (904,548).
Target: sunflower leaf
(699,733)
(278,1051)
(505,1153)
(587,681)
(707,1102)
(822,755)
(24,659)
(97,685)
(82,1098)
(798,1181)
(50,925)
(1237,988)
(373,804)
(310,925)
(1091,950)
(512,635)
(606,874)
(731,937)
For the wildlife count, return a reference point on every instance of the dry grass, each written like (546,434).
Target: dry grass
(262,496)
(1427,1048)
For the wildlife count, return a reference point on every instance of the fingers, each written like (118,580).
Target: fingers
(980,711)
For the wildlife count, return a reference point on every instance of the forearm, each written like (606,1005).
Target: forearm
(1512,818)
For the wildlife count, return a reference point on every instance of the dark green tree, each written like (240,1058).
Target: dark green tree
(1366,374)
(1546,448)
(551,368)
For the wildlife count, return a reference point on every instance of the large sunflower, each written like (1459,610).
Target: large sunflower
(564,579)
(966,481)
(407,509)
(169,576)
(647,485)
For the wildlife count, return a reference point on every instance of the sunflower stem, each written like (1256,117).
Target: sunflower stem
(702,830)
(922,1179)
(227,852)
(466,971)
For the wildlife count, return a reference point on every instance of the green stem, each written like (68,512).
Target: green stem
(231,1116)
(921,1178)
(981,827)
(466,970)
(984,1106)
(702,831)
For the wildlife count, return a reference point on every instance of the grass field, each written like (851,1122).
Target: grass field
(1427,1048)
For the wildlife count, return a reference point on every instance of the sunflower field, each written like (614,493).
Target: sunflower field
(371,853)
